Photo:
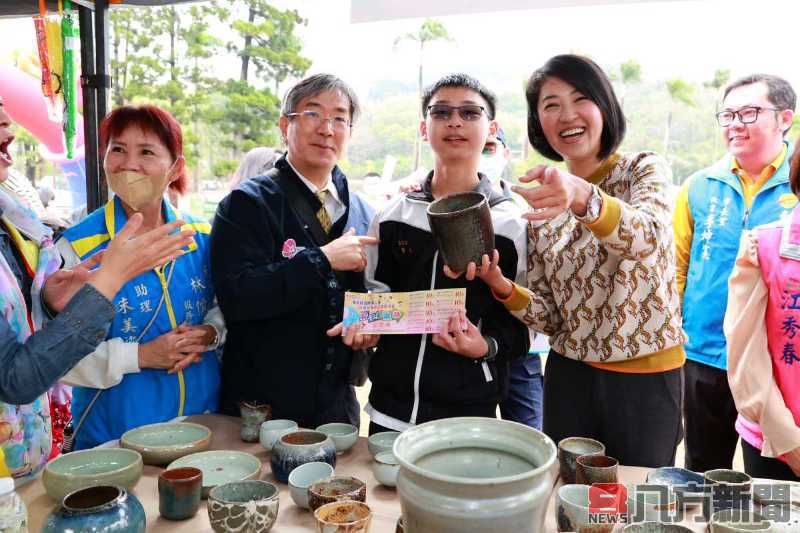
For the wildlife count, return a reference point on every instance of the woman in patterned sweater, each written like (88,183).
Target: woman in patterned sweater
(601,271)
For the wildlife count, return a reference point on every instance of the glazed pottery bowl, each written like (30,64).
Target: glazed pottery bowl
(160,444)
(572,509)
(253,415)
(343,517)
(734,480)
(570,449)
(303,477)
(298,448)
(738,521)
(103,508)
(381,442)
(680,480)
(344,435)
(179,492)
(243,506)
(596,469)
(272,430)
(462,228)
(651,506)
(385,468)
(474,474)
(220,467)
(334,489)
(655,527)
(88,468)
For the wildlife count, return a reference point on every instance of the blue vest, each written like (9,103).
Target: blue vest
(716,203)
(152,395)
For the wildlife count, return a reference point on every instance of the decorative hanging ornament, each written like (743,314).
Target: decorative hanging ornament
(70,36)
(44,59)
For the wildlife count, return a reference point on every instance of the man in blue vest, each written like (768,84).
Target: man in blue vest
(746,188)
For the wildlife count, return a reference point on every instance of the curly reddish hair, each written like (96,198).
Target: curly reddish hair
(151,119)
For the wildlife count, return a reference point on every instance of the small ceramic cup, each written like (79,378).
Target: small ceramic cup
(344,435)
(243,506)
(737,521)
(572,509)
(343,517)
(272,430)
(385,468)
(596,469)
(253,415)
(334,489)
(381,442)
(737,481)
(303,477)
(570,449)
(179,492)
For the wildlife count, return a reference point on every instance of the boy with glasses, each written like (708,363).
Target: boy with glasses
(417,378)
(746,188)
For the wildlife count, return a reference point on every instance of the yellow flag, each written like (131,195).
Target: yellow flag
(4,472)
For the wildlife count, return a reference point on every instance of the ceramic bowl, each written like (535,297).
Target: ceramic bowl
(382,442)
(343,517)
(160,444)
(220,467)
(103,508)
(88,468)
(655,527)
(344,435)
(385,467)
(461,224)
(298,448)
(272,430)
(570,449)
(572,510)
(243,506)
(681,480)
(651,506)
(736,521)
(335,489)
(303,477)
(734,480)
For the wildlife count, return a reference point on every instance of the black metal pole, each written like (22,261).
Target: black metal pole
(104,81)
(89,109)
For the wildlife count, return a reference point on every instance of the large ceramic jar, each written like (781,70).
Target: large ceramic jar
(298,448)
(470,474)
(101,509)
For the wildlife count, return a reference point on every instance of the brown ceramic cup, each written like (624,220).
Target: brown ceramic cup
(596,469)
(179,492)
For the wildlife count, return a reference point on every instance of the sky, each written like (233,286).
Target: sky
(687,39)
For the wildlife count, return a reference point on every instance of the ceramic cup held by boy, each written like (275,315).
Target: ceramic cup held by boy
(179,492)
(596,469)
(462,228)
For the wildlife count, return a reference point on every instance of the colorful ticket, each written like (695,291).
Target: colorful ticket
(401,313)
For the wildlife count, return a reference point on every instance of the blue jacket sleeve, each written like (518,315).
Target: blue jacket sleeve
(28,369)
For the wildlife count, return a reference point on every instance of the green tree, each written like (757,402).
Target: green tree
(720,79)
(630,73)
(680,92)
(430,31)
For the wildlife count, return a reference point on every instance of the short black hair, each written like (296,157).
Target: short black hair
(590,80)
(460,80)
(779,91)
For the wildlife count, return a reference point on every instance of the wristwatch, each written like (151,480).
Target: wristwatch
(594,207)
(491,354)
(214,344)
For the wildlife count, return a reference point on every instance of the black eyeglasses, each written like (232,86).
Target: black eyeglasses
(747,115)
(469,113)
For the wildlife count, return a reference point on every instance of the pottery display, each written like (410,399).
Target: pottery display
(738,521)
(343,517)
(381,442)
(596,469)
(243,507)
(99,509)
(160,444)
(220,467)
(570,449)
(461,224)
(344,435)
(303,477)
(253,415)
(735,480)
(572,509)
(385,468)
(471,474)
(655,527)
(334,489)
(272,430)
(88,468)
(179,492)
(651,506)
(298,448)
(680,480)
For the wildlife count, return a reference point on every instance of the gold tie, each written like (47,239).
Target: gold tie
(322,215)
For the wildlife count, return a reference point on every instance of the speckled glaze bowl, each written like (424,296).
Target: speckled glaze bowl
(334,489)
(220,467)
(462,228)
(298,448)
(243,507)
(160,444)
(343,517)
(681,480)
(89,468)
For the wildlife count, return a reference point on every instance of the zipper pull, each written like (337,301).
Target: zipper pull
(746,216)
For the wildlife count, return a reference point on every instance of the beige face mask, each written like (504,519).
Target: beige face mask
(138,190)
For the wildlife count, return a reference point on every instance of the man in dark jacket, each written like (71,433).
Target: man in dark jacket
(281,261)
